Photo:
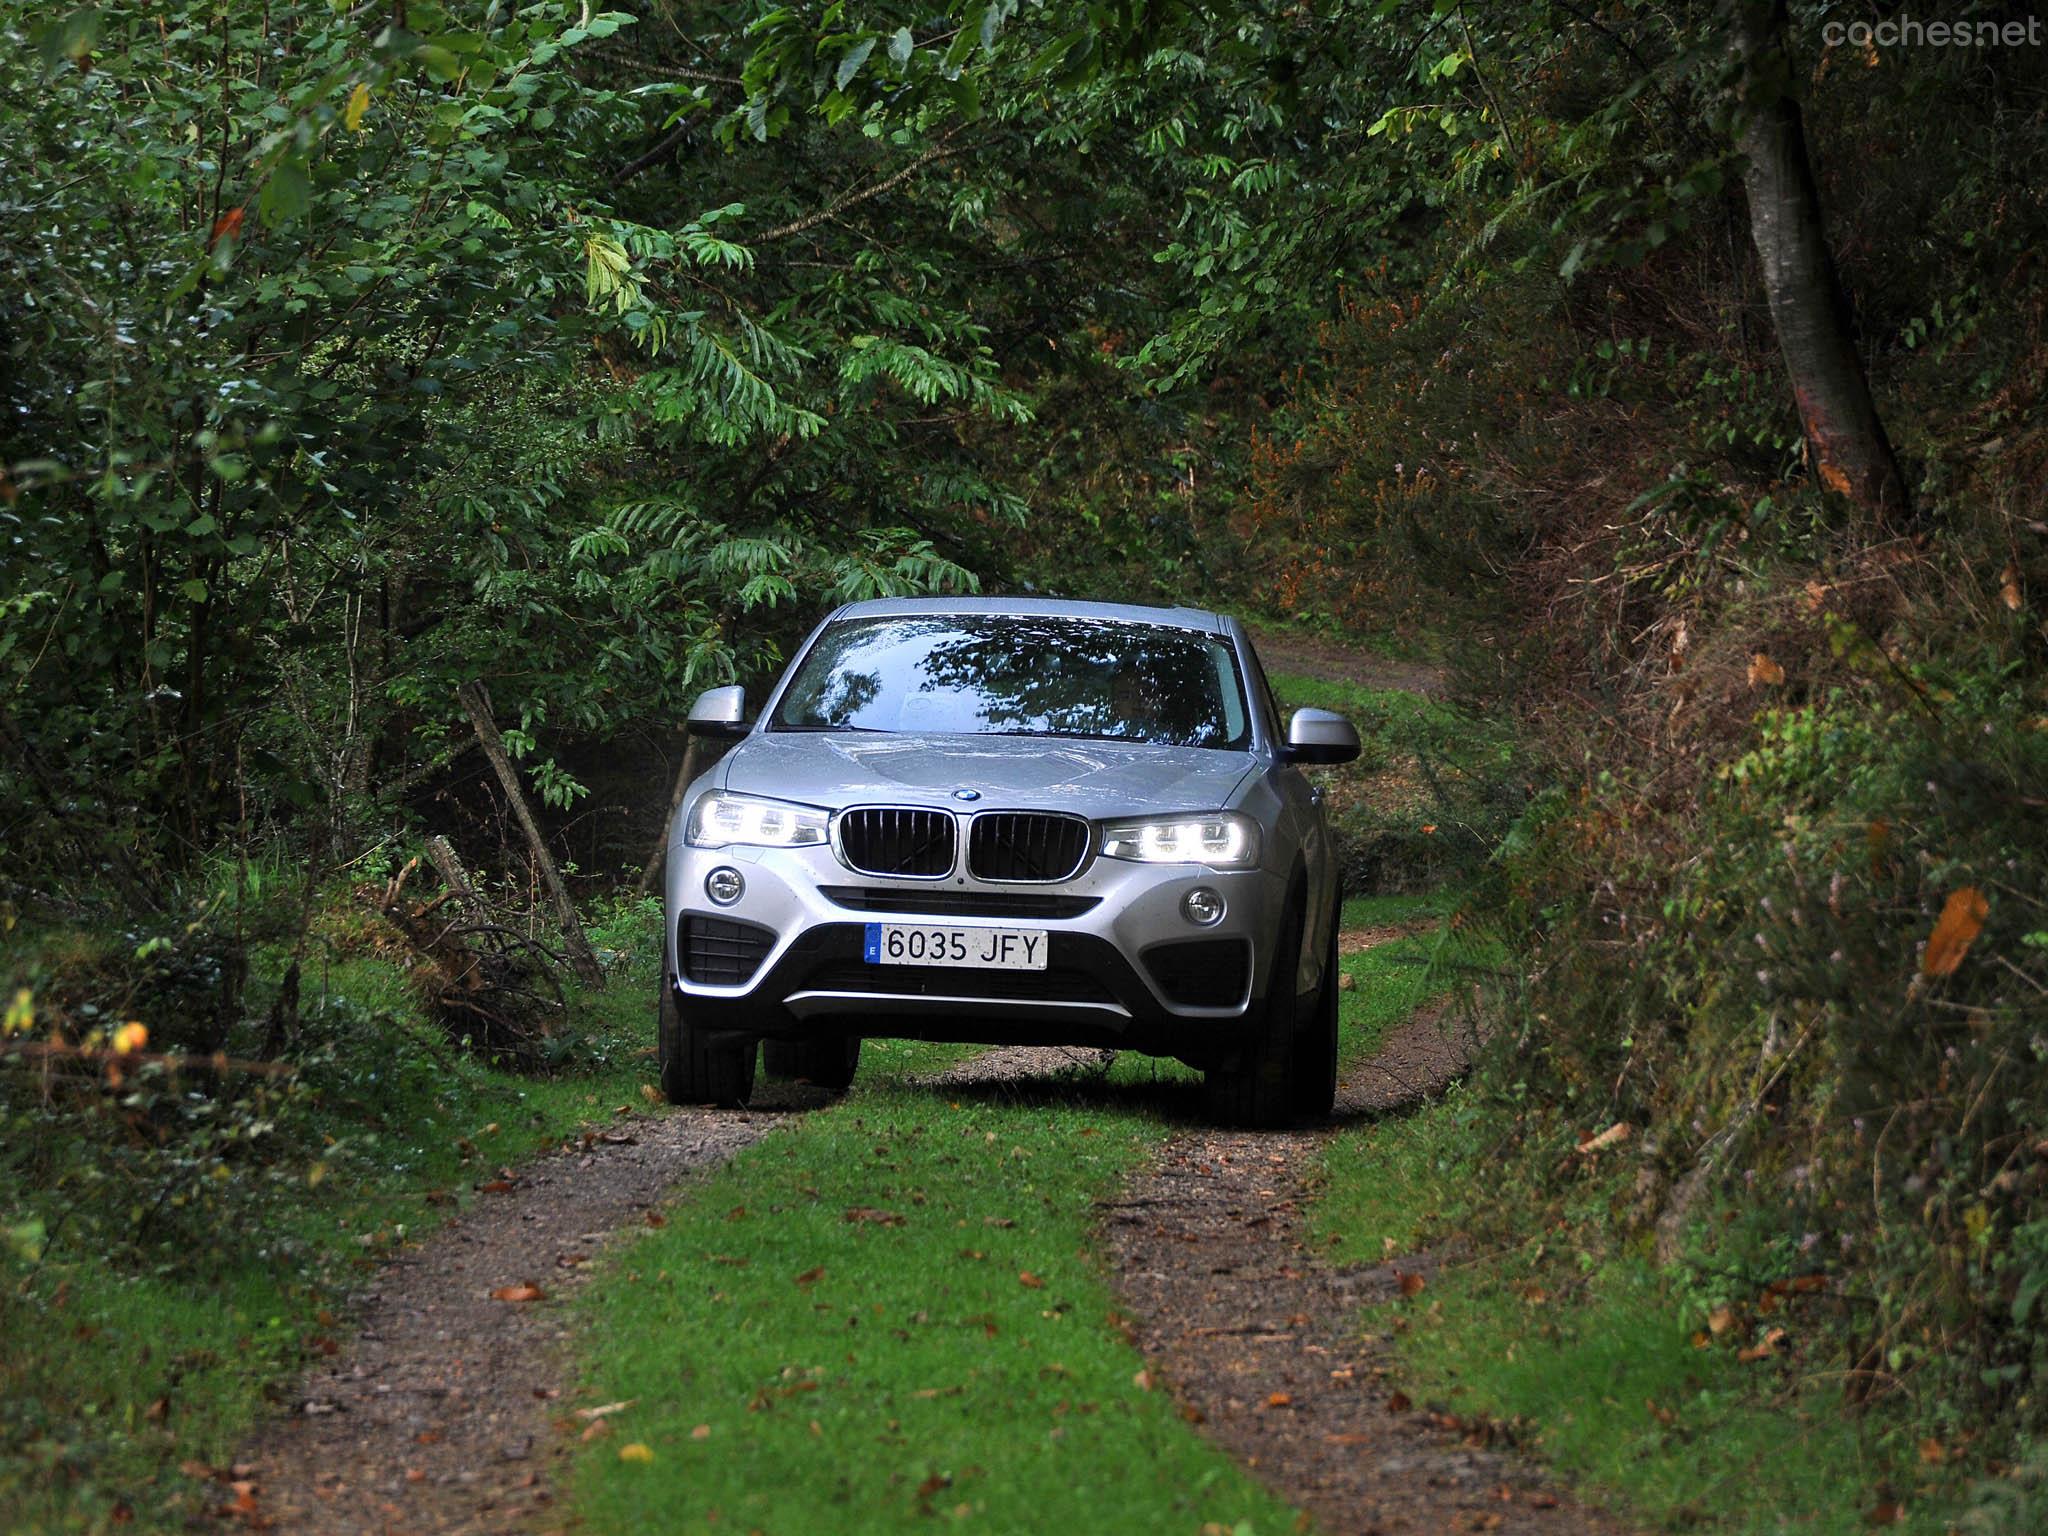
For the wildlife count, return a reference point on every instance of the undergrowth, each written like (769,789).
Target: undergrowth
(175,1232)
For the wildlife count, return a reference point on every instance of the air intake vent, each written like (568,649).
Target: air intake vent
(886,841)
(718,952)
(1202,973)
(1026,845)
(927,901)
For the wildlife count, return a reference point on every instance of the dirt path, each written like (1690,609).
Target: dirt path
(1264,1340)
(1260,1336)
(439,1414)
(1327,657)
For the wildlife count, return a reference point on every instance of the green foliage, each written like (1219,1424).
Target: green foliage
(170,1234)
(1432,794)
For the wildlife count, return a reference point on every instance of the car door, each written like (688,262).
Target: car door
(1302,825)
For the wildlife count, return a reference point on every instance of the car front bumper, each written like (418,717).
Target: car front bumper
(1116,973)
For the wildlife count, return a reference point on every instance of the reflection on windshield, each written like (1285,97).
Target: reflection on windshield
(1022,675)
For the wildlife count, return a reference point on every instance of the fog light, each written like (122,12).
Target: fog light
(724,885)
(1202,907)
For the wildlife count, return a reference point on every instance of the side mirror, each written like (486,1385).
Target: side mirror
(1319,736)
(720,714)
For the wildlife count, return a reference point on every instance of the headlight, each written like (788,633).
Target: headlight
(1223,839)
(721,821)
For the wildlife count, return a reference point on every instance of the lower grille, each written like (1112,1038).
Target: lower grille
(1026,845)
(1202,973)
(885,840)
(718,952)
(928,903)
(1047,986)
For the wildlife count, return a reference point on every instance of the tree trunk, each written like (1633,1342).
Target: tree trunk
(659,854)
(441,854)
(478,708)
(1844,437)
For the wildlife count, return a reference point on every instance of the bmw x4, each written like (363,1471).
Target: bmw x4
(1009,821)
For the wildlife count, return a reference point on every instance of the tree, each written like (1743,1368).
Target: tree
(1850,451)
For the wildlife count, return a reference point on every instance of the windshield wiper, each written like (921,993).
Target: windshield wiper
(817,730)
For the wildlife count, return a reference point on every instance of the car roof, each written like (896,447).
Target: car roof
(1129,613)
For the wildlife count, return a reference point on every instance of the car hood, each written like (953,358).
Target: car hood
(1090,778)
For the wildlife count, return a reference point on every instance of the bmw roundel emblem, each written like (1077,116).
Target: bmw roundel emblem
(966,794)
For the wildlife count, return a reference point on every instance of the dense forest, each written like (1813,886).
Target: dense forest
(407,407)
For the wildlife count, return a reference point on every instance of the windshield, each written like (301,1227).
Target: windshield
(1020,675)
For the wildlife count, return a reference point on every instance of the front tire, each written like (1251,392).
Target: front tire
(828,1063)
(1259,1088)
(696,1067)
(1315,1046)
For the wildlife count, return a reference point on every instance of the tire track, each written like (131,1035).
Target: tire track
(441,1413)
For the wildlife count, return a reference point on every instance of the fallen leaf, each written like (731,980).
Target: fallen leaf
(1399,1403)
(1720,1320)
(1411,1283)
(656,1219)
(1541,1500)
(701,1432)
(637,1451)
(1029,1281)
(1613,1136)
(597,1431)
(811,1277)
(495,1187)
(1887,1513)
(1933,1452)
(1962,919)
(1142,1381)
(607,1410)
(1279,1400)
(524,1291)
(872,1217)
(1763,670)
(2009,588)
(1763,1348)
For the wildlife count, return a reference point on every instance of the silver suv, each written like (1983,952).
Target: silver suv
(1009,821)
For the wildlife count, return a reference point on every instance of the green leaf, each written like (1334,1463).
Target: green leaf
(70,38)
(850,64)
(287,193)
(901,45)
(194,590)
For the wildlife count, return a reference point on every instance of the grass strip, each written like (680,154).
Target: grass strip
(892,1310)
(1613,1371)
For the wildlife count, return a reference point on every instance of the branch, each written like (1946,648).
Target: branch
(887,184)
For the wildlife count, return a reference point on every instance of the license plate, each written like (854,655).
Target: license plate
(978,949)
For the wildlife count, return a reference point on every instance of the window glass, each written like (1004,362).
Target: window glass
(1019,675)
